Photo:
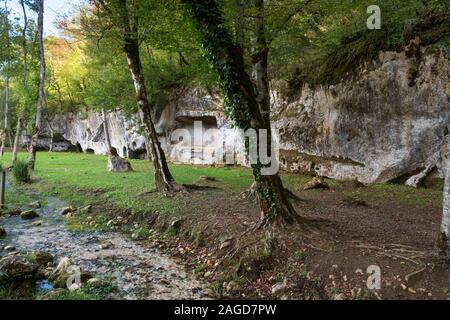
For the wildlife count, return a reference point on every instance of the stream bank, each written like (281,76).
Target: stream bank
(138,272)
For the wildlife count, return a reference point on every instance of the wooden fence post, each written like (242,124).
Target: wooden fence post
(2,188)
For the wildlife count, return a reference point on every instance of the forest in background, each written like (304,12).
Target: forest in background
(314,42)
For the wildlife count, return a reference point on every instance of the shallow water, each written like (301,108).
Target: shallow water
(139,272)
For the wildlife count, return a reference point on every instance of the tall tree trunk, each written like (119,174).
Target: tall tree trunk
(164,182)
(6,124)
(146,138)
(52,136)
(445,224)
(22,116)
(40,96)
(106,131)
(241,103)
(260,75)
(260,62)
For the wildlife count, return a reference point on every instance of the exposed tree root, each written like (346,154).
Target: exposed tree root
(170,189)
(196,187)
(181,189)
(393,251)
(265,238)
(414,274)
(252,195)
(442,244)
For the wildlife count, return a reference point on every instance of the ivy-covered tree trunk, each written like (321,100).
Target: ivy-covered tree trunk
(241,102)
(260,62)
(445,224)
(164,182)
(40,97)
(21,119)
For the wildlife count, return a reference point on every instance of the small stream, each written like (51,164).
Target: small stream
(139,272)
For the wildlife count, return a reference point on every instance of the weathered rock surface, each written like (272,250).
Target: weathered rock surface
(15,269)
(316,183)
(10,212)
(66,210)
(29,215)
(118,164)
(385,123)
(10,248)
(374,128)
(35,205)
(42,258)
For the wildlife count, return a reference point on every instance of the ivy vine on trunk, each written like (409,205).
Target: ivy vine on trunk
(241,103)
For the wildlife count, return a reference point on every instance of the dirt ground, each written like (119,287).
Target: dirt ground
(352,231)
(398,238)
(353,227)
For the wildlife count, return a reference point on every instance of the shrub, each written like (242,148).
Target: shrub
(21,172)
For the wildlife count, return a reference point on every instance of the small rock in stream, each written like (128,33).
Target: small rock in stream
(106,245)
(29,215)
(35,205)
(37,223)
(9,212)
(96,283)
(2,232)
(10,248)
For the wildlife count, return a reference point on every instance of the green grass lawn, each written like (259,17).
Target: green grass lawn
(82,179)
(73,177)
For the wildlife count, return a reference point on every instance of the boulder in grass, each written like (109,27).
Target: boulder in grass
(316,183)
(29,215)
(66,210)
(85,210)
(118,164)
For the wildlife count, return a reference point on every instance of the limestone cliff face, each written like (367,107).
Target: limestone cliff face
(382,124)
(175,124)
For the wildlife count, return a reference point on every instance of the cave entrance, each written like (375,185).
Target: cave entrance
(138,154)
